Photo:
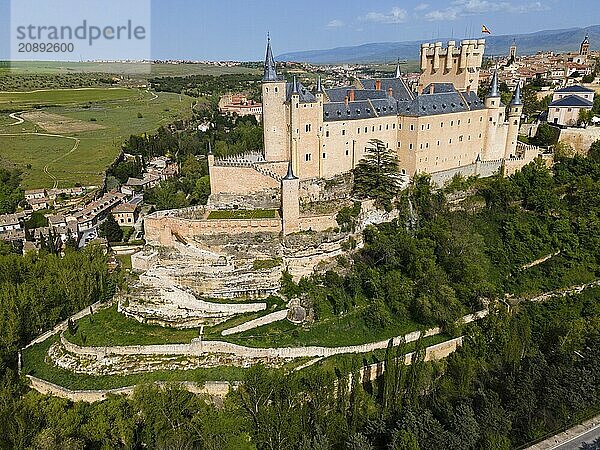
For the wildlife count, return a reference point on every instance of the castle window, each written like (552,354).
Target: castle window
(373,128)
(427,145)
(327,133)
(347,152)
(516,122)
(410,146)
(452,123)
(399,144)
(458,123)
(479,135)
(438,143)
(379,127)
(422,127)
(267,89)
(450,141)
(307,127)
(428,126)
(358,130)
(366,129)
(491,119)
(412,127)
(481,119)
(343,132)
(421,147)
(460,138)
(324,155)
(387,127)
(276,89)
(307,157)
(441,124)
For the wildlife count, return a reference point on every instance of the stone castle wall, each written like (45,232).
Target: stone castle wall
(160,230)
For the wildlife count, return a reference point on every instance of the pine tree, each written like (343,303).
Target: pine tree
(110,230)
(376,175)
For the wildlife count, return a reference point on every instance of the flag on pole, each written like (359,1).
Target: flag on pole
(485,29)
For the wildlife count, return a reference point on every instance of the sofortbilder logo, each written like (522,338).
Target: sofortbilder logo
(80,30)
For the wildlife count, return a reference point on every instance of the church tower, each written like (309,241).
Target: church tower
(584,49)
(515,109)
(274,111)
(512,52)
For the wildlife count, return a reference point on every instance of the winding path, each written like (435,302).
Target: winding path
(18,118)
(47,166)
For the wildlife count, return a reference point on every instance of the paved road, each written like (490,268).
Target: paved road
(576,442)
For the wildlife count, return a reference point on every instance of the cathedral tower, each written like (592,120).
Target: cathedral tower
(584,49)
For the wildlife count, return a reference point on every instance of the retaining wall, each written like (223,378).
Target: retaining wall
(212,388)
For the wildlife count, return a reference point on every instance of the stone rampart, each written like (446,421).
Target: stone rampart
(162,231)
(580,138)
(264,320)
(212,388)
(318,223)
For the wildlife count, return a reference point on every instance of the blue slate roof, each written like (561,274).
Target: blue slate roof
(399,89)
(362,109)
(433,104)
(574,89)
(572,101)
(305,95)
(339,94)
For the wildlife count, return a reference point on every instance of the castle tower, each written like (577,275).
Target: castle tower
(398,73)
(274,111)
(290,203)
(584,49)
(495,109)
(320,97)
(515,109)
(457,65)
(512,53)
(295,123)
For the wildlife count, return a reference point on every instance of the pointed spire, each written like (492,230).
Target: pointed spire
(295,88)
(398,73)
(516,100)
(586,40)
(319,85)
(290,173)
(210,152)
(270,70)
(494,90)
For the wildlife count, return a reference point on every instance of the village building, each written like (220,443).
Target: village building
(240,105)
(567,104)
(126,214)
(33,194)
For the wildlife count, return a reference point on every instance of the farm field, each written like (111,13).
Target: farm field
(139,70)
(73,135)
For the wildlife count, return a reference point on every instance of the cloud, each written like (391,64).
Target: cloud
(421,7)
(335,23)
(462,8)
(396,15)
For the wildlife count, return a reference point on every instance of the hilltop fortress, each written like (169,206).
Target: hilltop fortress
(443,128)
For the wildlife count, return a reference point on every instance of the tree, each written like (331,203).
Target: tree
(376,175)
(110,230)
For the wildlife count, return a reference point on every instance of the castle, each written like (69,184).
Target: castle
(443,128)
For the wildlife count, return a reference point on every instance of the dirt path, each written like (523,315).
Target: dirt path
(18,119)
(47,166)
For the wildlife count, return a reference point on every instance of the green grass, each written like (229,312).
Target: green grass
(34,363)
(31,154)
(244,214)
(115,110)
(25,100)
(332,332)
(108,327)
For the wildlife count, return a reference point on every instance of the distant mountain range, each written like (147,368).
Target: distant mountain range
(555,40)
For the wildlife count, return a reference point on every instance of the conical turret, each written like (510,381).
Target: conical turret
(270,70)
(516,100)
(290,173)
(494,89)
(398,73)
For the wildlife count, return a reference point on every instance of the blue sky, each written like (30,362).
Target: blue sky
(236,29)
